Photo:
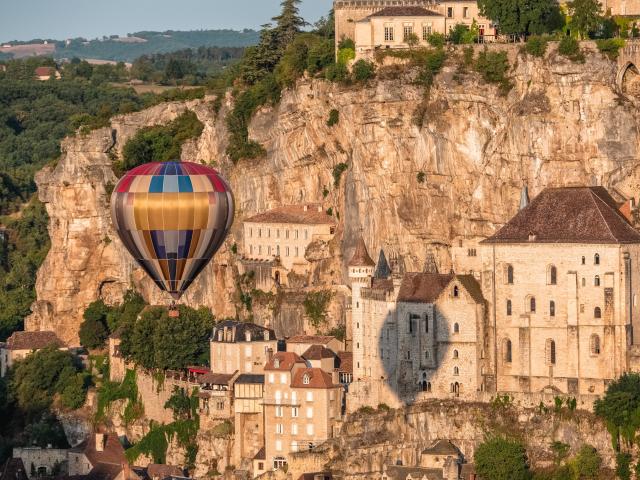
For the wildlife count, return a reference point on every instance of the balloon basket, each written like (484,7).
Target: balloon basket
(174,313)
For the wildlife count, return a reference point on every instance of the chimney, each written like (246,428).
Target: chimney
(625,209)
(100,441)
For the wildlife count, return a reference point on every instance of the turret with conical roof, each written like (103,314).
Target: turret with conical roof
(361,265)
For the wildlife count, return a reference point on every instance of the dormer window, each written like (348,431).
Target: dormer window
(266,335)
(247,336)
(305,379)
(219,335)
(276,363)
(456,291)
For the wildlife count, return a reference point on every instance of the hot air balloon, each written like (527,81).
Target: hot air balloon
(172,217)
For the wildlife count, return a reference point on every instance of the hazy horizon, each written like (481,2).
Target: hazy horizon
(80,18)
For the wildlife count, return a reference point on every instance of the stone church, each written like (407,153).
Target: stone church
(547,306)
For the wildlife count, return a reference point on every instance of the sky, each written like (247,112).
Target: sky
(61,19)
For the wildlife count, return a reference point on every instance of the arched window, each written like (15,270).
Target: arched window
(553,275)
(426,323)
(456,328)
(596,259)
(584,281)
(508,307)
(456,371)
(456,291)
(550,351)
(428,386)
(455,354)
(552,308)
(531,304)
(427,355)
(597,313)
(509,274)
(506,350)
(594,344)
(584,260)
(596,281)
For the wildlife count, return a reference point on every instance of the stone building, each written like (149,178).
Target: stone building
(241,347)
(301,343)
(560,280)
(248,409)
(382,24)
(40,462)
(21,344)
(415,335)
(302,405)
(101,457)
(275,242)
(392,27)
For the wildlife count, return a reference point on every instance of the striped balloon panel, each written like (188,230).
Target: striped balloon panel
(172,217)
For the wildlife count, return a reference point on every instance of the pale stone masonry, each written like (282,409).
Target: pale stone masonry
(21,344)
(241,347)
(546,306)
(564,297)
(302,405)
(282,235)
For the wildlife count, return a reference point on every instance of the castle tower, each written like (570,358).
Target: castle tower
(361,268)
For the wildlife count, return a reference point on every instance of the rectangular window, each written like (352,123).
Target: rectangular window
(388,34)
(283,378)
(272,378)
(309,412)
(465,12)
(279,428)
(294,429)
(310,429)
(295,411)
(408,32)
(251,232)
(251,249)
(309,396)
(426,31)
(278,411)
(297,252)
(450,12)
(277,233)
(306,234)
(279,445)
(286,251)
(259,233)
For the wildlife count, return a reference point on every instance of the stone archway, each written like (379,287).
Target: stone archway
(629,80)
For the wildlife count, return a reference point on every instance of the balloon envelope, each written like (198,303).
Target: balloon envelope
(173,218)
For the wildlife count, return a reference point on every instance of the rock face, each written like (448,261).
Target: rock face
(561,124)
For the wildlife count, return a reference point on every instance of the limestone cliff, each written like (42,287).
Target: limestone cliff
(563,123)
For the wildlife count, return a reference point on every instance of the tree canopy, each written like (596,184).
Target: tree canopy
(499,458)
(523,17)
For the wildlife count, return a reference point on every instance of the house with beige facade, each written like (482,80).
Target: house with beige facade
(275,242)
(302,405)
(299,344)
(381,25)
(241,347)
(21,344)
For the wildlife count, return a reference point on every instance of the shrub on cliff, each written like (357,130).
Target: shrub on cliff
(586,465)
(334,118)
(620,408)
(160,143)
(498,458)
(610,47)
(463,34)
(436,40)
(493,66)
(363,71)
(315,306)
(93,330)
(523,17)
(536,46)
(570,48)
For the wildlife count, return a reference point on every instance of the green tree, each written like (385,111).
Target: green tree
(363,70)
(288,23)
(36,379)
(93,330)
(623,466)
(620,408)
(523,17)
(502,459)
(46,430)
(585,16)
(586,465)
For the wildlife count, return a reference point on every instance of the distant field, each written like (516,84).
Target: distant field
(28,50)
(151,88)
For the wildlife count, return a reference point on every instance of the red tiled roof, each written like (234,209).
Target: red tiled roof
(318,352)
(422,287)
(112,453)
(401,11)
(309,214)
(44,71)
(345,362)
(361,256)
(157,470)
(287,361)
(317,377)
(33,340)
(312,339)
(569,215)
